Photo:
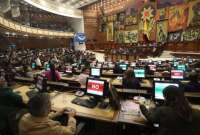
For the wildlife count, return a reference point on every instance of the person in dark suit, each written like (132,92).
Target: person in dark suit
(193,85)
(117,69)
(175,117)
(129,81)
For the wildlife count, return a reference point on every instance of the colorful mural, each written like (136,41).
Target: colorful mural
(147,19)
(174,36)
(110,31)
(167,3)
(131,36)
(162,32)
(162,14)
(191,34)
(178,17)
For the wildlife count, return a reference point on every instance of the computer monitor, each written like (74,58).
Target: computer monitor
(96,72)
(47,67)
(177,74)
(123,66)
(152,67)
(133,64)
(41,83)
(139,73)
(181,67)
(33,65)
(68,69)
(95,87)
(159,87)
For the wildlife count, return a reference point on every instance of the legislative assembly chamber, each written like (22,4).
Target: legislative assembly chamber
(99,67)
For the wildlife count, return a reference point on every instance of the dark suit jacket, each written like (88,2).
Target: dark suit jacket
(170,122)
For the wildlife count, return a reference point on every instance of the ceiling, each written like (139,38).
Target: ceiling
(75,3)
(69,8)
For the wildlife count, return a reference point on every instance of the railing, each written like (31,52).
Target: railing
(8,24)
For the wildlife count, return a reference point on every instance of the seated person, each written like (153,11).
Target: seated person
(175,117)
(193,85)
(10,104)
(129,81)
(52,74)
(82,78)
(39,120)
(27,71)
(117,69)
(38,62)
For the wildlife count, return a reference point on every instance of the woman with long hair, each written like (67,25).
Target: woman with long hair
(175,116)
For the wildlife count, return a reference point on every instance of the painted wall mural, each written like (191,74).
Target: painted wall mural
(147,19)
(191,35)
(131,36)
(162,14)
(162,32)
(110,31)
(178,17)
(174,36)
(171,22)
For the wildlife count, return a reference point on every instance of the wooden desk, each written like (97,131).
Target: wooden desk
(118,82)
(62,100)
(192,94)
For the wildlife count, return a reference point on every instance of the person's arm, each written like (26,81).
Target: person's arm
(16,99)
(58,75)
(70,129)
(153,115)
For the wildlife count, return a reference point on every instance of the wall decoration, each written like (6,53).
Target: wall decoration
(174,36)
(166,3)
(178,17)
(196,14)
(161,35)
(131,17)
(147,19)
(131,36)
(191,35)
(121,17)
(110,31)
(162,14)
(119,37)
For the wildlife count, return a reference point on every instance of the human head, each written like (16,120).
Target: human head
(193,76)
(174,98)
(128,74)
(40,105)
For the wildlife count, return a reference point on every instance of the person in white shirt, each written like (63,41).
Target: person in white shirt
(82,78)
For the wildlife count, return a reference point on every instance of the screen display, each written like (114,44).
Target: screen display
(159,87)
(68,70)
(47,67)
(181,67)
(95,87)
(139,73)
(123,66)
(152,67)
(95,72)
(177,74)
(39,83)
(133,64)
(33,65)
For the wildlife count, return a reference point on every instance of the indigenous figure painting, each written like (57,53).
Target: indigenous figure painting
(110,31)
(161,32)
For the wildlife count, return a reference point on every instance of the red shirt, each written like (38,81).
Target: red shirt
(49,77)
